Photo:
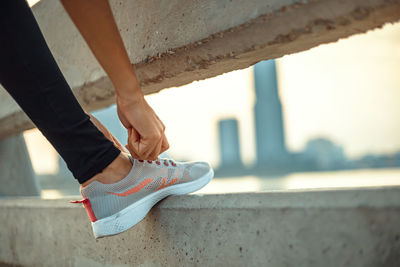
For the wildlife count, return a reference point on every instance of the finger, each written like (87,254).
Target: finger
(132,153)
(157,151)
(142,147)
(148,146)
(165,144)
(133,141)
(128,146)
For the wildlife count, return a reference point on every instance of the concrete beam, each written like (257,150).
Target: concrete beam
(175,42)
(292,228)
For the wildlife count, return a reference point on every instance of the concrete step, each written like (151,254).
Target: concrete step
(350,227)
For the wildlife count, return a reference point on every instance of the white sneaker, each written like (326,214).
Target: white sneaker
(114,208)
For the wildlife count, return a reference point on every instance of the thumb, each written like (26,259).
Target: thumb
(134,140)
(123,119)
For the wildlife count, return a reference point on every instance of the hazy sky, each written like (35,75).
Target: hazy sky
(348,91)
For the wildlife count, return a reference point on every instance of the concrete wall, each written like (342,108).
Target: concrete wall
(293,228)
(17,177)
(176,42)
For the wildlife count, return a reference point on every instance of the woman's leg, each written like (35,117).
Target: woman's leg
(30,74)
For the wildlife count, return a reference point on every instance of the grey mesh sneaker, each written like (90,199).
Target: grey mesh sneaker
(114,208)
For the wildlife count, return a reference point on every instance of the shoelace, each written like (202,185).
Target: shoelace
(166,162)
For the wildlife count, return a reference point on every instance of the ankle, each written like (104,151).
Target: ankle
(115,172)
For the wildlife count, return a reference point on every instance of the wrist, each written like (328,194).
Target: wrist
(126,85)
(128,98)
(128,92)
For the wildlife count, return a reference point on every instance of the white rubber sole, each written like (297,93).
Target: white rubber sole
(136,212)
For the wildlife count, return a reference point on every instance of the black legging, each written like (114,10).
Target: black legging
(30,74)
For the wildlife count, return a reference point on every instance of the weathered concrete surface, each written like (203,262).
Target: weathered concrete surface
(175,42)
(17,177)
(292,228)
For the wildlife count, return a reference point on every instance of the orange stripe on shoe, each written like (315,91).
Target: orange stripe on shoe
(163,185)
(174,180)
(133,189)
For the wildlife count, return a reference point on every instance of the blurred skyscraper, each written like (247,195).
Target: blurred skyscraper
(270,136)
(229,143)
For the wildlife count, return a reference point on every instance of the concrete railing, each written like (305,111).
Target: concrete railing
(176,42)
(292,228)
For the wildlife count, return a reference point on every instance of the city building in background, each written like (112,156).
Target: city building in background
(272,156)
(270,134)
(324,154)
(229,145)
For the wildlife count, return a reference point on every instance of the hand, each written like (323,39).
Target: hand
(146,137)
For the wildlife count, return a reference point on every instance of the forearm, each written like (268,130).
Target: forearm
(95,21)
